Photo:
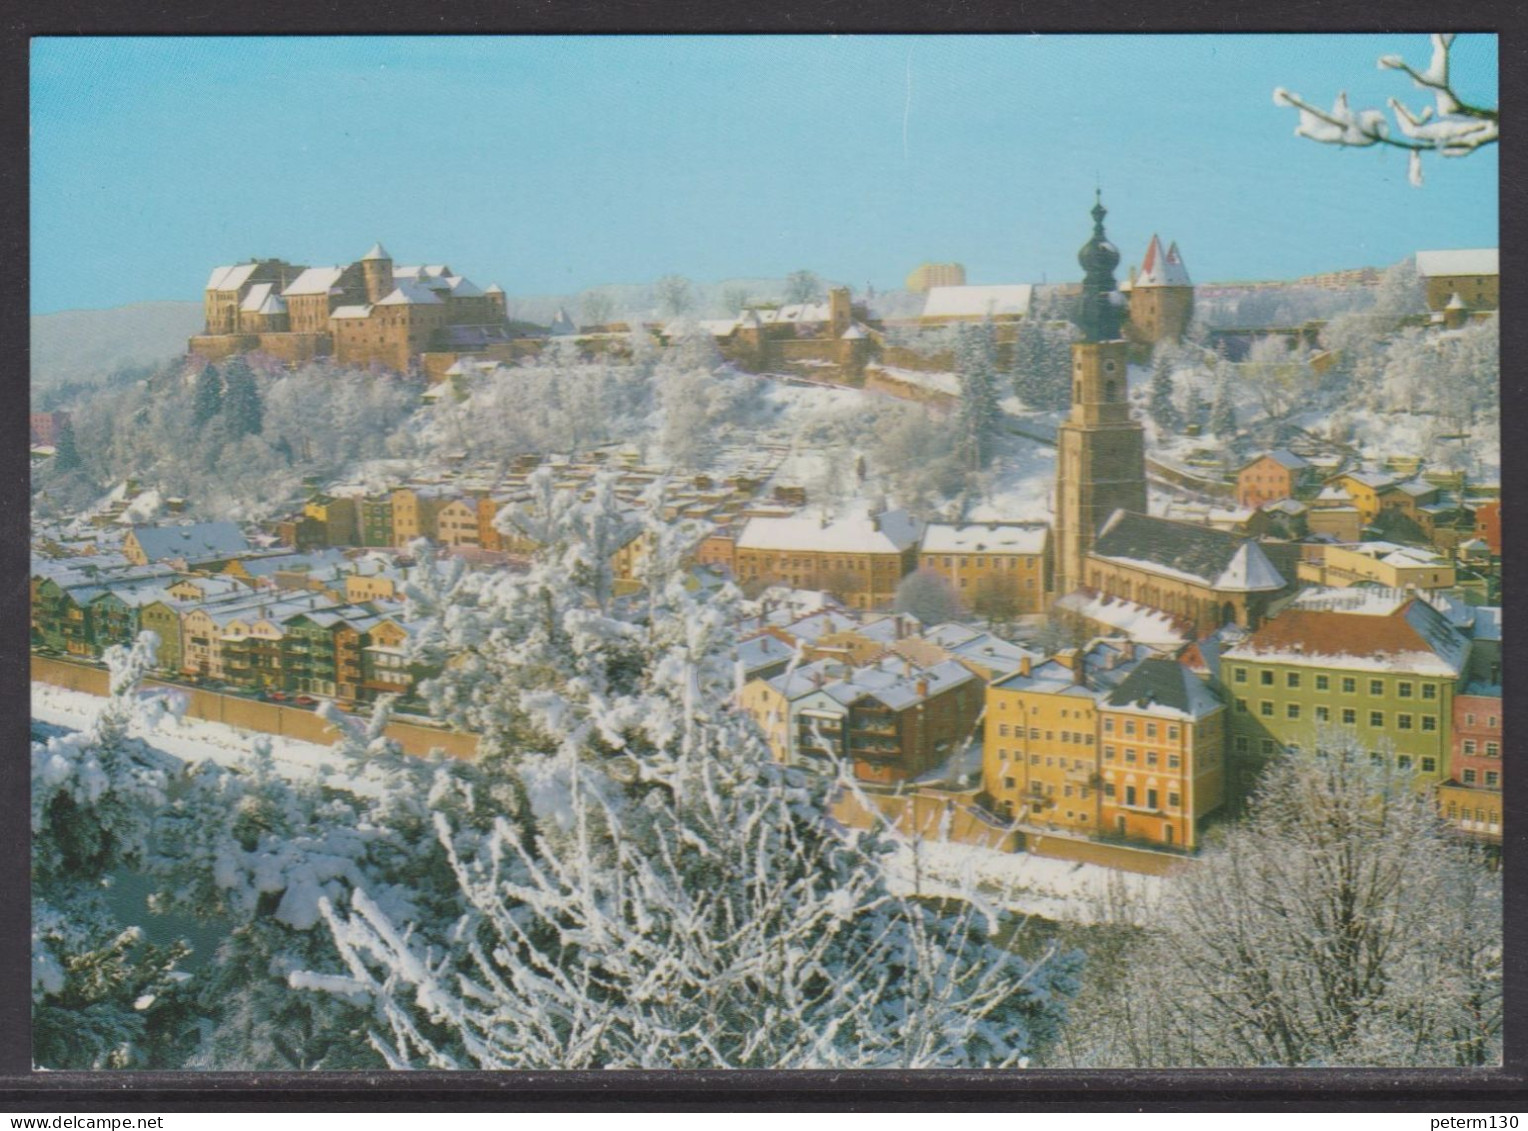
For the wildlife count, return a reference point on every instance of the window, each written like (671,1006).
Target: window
(1240,744)
(1241,706)
(1130,795)
(1108,726)
(1151,757)
(1430,723)
(1265,708)
(1003,730)
(1349,685)
(1403,722)
(1034,733)
(1291,679)
(1403,761)
(1151,730)
(1267,746)
(1238,675)
(1034,759)
(1172,734)
(1469,720)
(1492,778)
(1265,678)
(1173,761)
(1429,691)
(1491,722)
(1403,689)
(1292,710)
(1129,726)
(1151,799)
(1323,683)
(1129,754)
(1376,687)
(1323,714)
(1009,783)
(1493,750)
(1376,718)
(1429,765)
(1108,789)
(1173,801)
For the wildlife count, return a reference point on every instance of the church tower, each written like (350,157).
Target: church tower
(1100,450)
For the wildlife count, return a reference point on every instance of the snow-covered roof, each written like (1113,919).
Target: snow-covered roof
(255,296)
(1164,688)
(1376,480)
(796,312)
(315,281)
(985,538)
(1182,550)
(562,325)
(1459,261)
(1283,457)
(1360,629)
(1454,302)
(1139,622)
(231,278)
(377,252)
(1285,506)
(854,333)
(463,287)
(494,289)
(858,532)
(351,312)
(192,541)
(410,294)
(1162,268)
(978,301)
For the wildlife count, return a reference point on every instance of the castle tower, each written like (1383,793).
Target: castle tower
(1161,295)
(1100,450)
(497,303)
(840,311)
(377,269)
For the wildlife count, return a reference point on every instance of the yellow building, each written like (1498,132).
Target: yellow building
(1386,564)
(414,510)
(996,569)
(339,518)
(1364,489)
(861,557)
(1040,758)
(1162,758)
(926,276)
(456,524)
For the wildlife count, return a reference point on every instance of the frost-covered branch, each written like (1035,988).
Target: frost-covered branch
(1450,127)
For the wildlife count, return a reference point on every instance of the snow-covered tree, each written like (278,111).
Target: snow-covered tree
(929,596)
(1222,422)
(66,452)
(1338,925)
(207,395)
(598,307)
(674,295)
(656,891)
(242,407)
(1042,365)
(1451,127)
(100,993)
(980,415)
(1160,404)
(803,286)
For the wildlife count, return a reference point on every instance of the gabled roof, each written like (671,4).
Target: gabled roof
(986,538)
(978,302)
(1459,261)
(231,278)
(1183,550)
(194,541)
(1165,687)
(410,294)
(315,281)
(1162,268)
(1364,630)
(1283,457)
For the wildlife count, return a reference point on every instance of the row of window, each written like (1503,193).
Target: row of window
(1042,789)
(1492,778)
(1081,738)
(1173,761)
(980,562)
(1052,761)
(1404,688)
(1267,747)
(1151,729)
(1267,709)
(1149,798)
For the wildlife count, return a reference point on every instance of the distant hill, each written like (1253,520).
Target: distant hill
(84,347)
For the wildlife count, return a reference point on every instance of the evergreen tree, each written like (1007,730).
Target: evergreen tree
(66,454)
(242,406)
(1222,412)
(207,396)
(980,414)
(1042,366)
(1196,410)
(1160,403)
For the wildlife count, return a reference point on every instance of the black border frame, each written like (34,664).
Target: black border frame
(1205,1090)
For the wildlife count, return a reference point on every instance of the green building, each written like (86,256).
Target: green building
(1380,664)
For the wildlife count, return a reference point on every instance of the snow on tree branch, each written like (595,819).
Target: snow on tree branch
(1450,127)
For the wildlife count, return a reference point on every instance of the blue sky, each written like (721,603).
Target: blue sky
(555,164)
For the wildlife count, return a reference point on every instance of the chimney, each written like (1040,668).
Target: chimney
(1024,664)
(923,688)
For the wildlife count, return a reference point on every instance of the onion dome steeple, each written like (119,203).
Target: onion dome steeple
(1099,313)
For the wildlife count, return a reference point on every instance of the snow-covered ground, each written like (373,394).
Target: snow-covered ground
(1062,890)
(196,740)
